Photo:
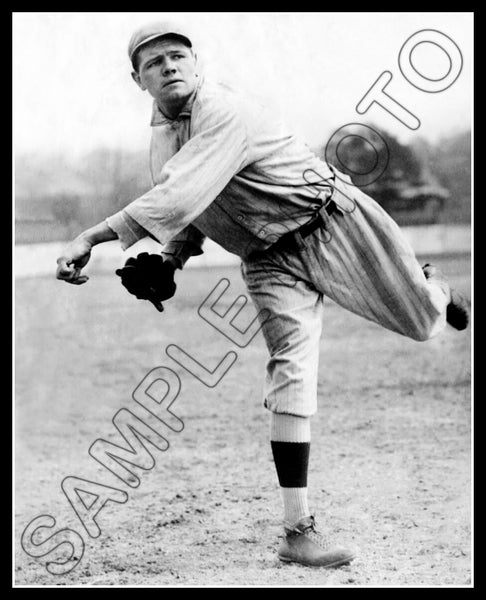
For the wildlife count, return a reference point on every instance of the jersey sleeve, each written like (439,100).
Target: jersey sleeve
(185,244)
(126,228)
(190,180)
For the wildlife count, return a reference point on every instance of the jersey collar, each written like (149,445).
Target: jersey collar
(158,117)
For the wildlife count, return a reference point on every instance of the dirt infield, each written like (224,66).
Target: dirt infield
(390,455)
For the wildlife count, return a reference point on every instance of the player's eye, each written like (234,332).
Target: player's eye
(154,63)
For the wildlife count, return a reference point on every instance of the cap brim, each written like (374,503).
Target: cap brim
(186,40)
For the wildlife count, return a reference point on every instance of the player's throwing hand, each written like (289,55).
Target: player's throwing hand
(73,259)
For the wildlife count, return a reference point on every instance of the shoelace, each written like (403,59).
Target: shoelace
(318,539)
(311,532)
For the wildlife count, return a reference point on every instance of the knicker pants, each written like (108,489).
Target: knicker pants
(362,261)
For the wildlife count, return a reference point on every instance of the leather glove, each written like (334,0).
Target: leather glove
(149,277)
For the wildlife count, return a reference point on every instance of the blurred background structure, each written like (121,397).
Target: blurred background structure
(424,183)
(56,201)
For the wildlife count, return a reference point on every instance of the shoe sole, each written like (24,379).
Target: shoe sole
(457,311)
(337,563)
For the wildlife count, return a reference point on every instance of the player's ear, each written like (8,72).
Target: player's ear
(136,78)
(194,55)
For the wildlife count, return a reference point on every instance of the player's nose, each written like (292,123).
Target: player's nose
(168,68)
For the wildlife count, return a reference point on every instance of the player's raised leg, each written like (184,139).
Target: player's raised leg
(363,262)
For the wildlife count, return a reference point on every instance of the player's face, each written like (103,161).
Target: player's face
(167,70)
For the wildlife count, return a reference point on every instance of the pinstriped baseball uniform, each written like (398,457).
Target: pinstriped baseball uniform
(365,265)
(226,168)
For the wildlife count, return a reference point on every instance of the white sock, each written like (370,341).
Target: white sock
(295,504)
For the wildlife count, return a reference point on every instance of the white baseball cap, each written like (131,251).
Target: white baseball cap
(151,31)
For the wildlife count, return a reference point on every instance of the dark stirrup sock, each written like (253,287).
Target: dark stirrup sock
(290,441)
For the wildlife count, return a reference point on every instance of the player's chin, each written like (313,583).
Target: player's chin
(176,91)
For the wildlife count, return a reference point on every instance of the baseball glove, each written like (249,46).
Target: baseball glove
(149,277)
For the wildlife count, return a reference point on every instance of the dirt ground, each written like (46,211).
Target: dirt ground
(390,456)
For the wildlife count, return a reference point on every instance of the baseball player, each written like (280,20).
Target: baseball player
(224,167)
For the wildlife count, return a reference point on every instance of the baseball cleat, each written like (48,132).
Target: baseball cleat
(303,544)
(457,314)
(458,311)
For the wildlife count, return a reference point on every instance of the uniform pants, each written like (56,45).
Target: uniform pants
(362,261)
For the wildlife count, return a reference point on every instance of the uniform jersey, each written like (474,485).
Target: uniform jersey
(226,168)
